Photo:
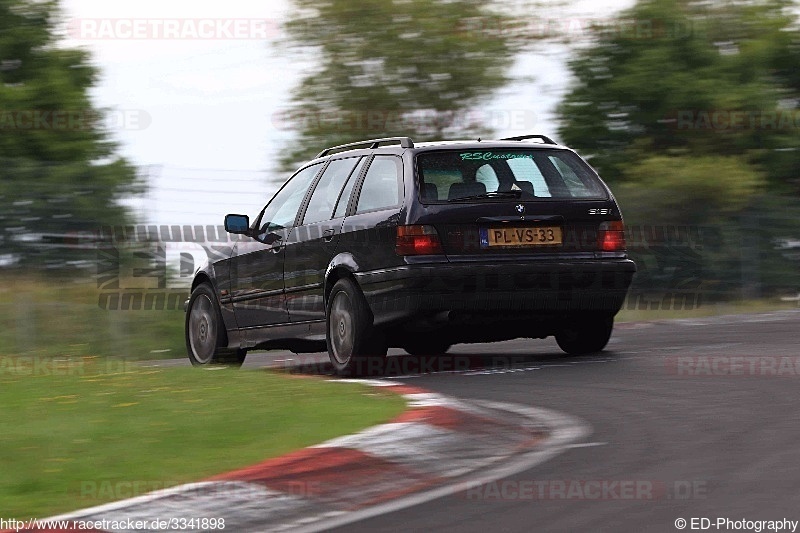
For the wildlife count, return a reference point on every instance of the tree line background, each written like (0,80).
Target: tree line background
(690,110)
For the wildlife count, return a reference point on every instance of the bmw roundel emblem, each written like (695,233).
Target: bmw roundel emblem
(520,209)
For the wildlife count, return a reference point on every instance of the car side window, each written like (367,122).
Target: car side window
(323,199)
(344,197)
(382,185)
(282,209)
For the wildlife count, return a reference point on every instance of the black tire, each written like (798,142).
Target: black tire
(206,339)
(426,344)
(585,335)
(352,339)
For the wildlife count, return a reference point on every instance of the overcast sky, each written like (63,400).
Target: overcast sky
(202,113)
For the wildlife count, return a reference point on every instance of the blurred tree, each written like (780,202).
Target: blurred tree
(680,191)
(58,170)
(681,77)
(692,109)
(419,68)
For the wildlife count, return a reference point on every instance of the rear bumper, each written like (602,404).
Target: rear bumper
(543,287)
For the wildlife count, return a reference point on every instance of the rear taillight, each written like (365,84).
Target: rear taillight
(611,236)
(418,240)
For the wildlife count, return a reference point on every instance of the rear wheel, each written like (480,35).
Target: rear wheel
(205,331)
(585,334)
(352,340)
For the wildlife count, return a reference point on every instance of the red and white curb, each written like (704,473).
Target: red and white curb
(439,446)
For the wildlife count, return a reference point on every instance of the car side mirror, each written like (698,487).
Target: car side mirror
(237,224)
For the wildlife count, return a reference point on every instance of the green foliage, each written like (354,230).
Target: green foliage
(696,123)
(415,67)
(702,60)
(58,168)
(687,190)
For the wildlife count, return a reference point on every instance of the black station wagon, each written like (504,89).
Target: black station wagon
(390,243)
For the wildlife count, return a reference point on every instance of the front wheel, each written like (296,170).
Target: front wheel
(206,339)
(585,334)
(352,340)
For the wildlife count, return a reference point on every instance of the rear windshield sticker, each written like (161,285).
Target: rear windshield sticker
(486,156)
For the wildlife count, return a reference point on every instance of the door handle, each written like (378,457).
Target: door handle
(328,234)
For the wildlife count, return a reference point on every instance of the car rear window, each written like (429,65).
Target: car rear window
(461,175)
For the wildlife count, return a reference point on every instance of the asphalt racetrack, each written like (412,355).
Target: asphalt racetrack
(690,419)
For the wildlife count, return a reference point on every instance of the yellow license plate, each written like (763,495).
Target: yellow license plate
(538,236)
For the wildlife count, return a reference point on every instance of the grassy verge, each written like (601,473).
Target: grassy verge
(63,318)
(705,310)
(85,431)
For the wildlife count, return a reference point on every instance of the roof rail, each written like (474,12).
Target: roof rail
(544,138)
(405,142)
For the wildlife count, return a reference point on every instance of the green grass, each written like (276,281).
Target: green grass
(705,310)
(63,318)
(80,432)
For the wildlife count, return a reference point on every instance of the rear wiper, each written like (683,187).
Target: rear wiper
(493,194)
